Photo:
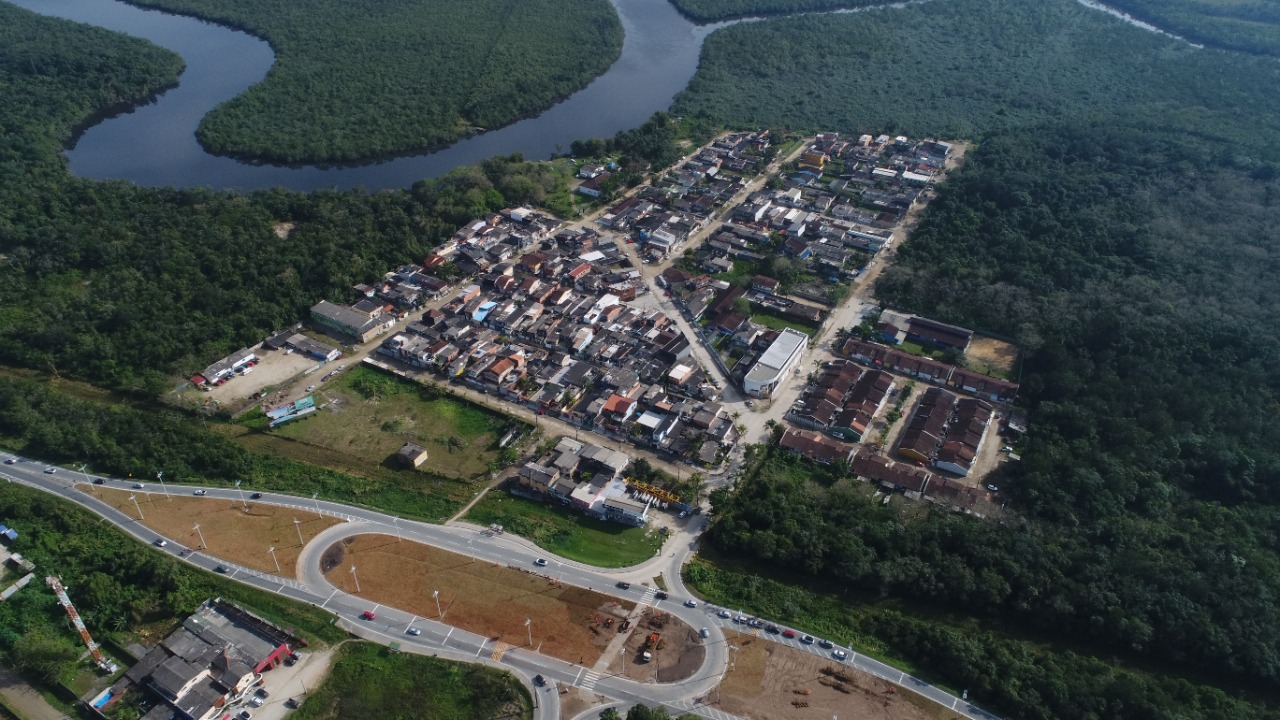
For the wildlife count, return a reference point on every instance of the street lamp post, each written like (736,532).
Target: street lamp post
(411,621)
(395,521)
(242,502)
(528,625)
(165,488)
(355,577)
(84,474)
(439,611)
(314,499)
(136,506)
(203,544)
(560,577)
(297,525)
(272,550)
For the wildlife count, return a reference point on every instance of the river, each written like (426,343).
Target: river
(155,145)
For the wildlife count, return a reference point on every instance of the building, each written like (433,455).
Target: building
(781,357)
(815,446)
(939,335)
(228,365)
(347,322)
(412,455)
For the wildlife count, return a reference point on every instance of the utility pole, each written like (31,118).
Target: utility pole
(203,544)
(134,498)
(528,622)
(297,525)
(314,499)
(272,550)
(355,577)
(395,521)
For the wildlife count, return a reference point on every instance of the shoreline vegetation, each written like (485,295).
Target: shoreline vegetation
(357,83)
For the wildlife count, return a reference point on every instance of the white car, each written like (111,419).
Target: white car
(256,701)
(413,631)
(540,562)
(691,603)
(50,470)
(201,492)
(839,654)
(725,614)
(138,486)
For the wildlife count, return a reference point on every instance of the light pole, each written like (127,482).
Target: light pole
(84,474)
(272,550)
(165,488)
(355,577)
(136,506)
(528,625)
(297,525)
(203,544)
(439,611)
(314,499)
(560,577)
(242,502)
(395,521)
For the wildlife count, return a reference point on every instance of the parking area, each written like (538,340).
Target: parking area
(286,682)
(274,368)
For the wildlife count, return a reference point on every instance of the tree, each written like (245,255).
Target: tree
(610,714)
(40,653)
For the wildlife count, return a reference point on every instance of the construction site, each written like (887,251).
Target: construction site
(659,648)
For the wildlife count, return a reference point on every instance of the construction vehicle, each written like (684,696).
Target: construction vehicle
(650,646)
(98,658)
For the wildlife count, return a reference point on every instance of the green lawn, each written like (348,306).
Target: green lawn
(369,681)
(568,533)
(778,322)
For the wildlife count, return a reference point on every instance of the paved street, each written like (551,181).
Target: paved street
(447,641)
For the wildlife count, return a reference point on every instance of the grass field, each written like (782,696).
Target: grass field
(777,322)
(490,600)
(567,533)
(369,681)
(231,532)
(368,416)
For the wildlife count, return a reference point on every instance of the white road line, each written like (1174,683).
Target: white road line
(589,682)
(446,637)
(580,671)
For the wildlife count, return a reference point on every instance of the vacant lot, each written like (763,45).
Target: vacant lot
(230,531)
(992,357)
(367,416)
(769,681)
(566,532)
(369,681)
(491,600)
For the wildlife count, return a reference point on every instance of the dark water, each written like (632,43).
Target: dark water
(155,145)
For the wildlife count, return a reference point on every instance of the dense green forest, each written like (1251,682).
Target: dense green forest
(355,81)
(963,68)
(1251,26)
(712,10)
(117,583)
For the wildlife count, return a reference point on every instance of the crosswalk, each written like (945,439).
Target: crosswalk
(648,597)
(499,650)
(589,680)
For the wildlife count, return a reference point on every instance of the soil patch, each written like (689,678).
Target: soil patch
(575,702)
(769,681)
(492,600)
(679,655)
(231,532)
(992,357)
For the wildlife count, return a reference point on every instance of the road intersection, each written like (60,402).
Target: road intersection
(447,641)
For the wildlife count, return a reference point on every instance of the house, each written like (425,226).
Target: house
(763,284)
(924,434)
(814,446)
(894,475)
(412,455)
(361,325)
(983,386)
(594,187)
(939,335)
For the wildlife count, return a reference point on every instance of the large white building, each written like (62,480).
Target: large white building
(782,357)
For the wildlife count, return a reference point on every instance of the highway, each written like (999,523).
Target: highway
(446,641)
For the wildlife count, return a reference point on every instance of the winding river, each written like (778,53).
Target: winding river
(155,145)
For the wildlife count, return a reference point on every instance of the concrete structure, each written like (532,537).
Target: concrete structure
(412,455)
(780,358)
(348,322)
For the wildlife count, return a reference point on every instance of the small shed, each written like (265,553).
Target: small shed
(412,455)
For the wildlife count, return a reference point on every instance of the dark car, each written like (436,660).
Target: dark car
(255,496)
(539,680)
(262,693)
(99,481)
(624,585)
(661,595)
(222,569)
(826,644)
(772,629)
(292,703)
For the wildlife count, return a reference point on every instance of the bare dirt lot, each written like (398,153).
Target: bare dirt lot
(679,654)
(488,599)
(992,357)
(768,681)
(231,532)
(274,368)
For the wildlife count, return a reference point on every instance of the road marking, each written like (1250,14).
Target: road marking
(575,680)
(498,651)
(589,682)
(482,644)
(648,597)
(446,637)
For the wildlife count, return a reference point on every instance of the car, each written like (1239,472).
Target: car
(839,654)
(311,388)
(222,569)
(159,542)
(256,496)
(724,614)
(10,461)
(540,562)
(292,703)
(772,629)
(807,639)
(704,633)
(683,514)
(200,493)
(256,702)
(661,595)
(539,680)
(245,715)
(99,481)
(622,585)
(697,510)
(1006,449)
(368,615)
(826,644)
(262,693)
(50,470)
(691,603)
(138,486)
(993,488)
(753,622)
(413,631)
(789,634)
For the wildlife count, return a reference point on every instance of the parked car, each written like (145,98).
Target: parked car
(245,715)
(704,633)
(262,693)
(256,496)
(311,388)
(368,615)
(840,654)
(540,562)
(292,703)
(789,634)
(826,644)
(50,470)
(724,614)
(10,461)
(539,680)
(993,488)
(99,481)
(807,639)
(222,569)
(751,404)
(256,702)
(201,493)
(772,629)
